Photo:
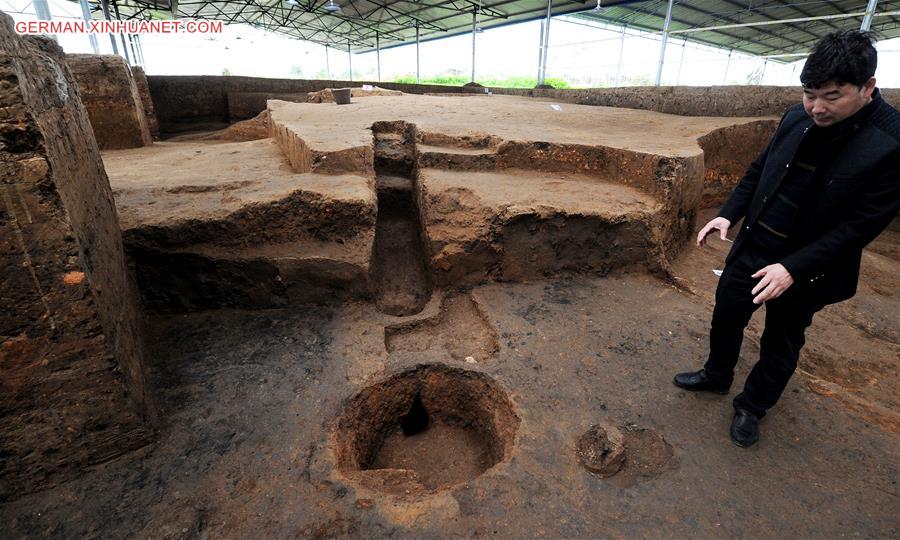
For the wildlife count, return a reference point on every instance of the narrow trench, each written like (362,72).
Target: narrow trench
(399,269)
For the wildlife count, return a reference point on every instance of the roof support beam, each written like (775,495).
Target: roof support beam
(665,40)
(474,23)
(112,39)
(771,18)
(86,13)
(870,12)
(350,60)
(42,10)
(738,38)
(121,36)
(621,55)
(417,53)
(542,74)
(783,21)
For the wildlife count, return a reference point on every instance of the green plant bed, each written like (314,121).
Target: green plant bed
(459,80)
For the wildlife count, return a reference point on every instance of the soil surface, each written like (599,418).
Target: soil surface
(460,329)
(256,439)
(332,128)
(441,455)
(197,180)
(251,401)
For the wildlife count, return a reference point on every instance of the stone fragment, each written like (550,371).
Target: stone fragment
(601,450)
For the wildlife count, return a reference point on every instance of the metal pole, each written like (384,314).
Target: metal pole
(417,53)
(763,76)
(112,39)
(540,52)
(350,60)
(86,13)
(621,54)
(793,73)
(378,54)
(665,40)
(867,20)
(474,22)
(42,10)
(680,63)
(786,21)
(543,73)
(727,64)
(121,36)
(327,63)
(134,53)
(125,48)
(138,51)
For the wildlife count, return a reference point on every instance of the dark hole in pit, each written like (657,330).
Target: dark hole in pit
(416,420)
(425,429)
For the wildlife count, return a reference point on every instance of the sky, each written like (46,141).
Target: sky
(583,54)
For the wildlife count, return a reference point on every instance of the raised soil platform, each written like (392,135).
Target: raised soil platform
(431,411)
(535,190)
(536,187)
(230,224)
(113,100)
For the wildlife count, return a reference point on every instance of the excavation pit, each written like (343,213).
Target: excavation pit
(425,430)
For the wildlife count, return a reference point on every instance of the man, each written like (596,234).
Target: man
(825,186)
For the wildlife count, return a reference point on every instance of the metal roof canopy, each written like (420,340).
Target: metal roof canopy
(756,27)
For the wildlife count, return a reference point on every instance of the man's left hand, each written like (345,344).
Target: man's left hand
(775,280)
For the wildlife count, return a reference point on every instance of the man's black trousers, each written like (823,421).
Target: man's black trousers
(787,318)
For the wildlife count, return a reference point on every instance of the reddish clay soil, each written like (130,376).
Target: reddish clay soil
(288,421)
(441,456)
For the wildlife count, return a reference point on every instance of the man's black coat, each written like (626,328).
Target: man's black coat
(855,196)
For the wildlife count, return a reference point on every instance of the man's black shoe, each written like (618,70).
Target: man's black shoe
(696,381)
(744,428)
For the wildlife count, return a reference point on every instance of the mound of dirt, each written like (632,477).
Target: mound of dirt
(325,96)
(253,129)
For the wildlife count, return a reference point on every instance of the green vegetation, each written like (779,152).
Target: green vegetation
(459,80)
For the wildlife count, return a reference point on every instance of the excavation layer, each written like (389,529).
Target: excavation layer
(512,188)
(230,224)
(494,188)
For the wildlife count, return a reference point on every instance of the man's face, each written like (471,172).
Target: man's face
(832,102)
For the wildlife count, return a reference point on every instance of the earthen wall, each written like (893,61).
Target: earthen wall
(687,100)
(143,88)
(109,93)
(72,379)
(189,99)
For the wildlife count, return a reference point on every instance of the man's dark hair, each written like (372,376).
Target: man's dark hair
(845,57)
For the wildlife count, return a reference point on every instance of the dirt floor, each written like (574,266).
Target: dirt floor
(503,117)
(252,401)
(433,409)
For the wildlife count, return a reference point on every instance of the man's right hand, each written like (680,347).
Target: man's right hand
(719,223)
